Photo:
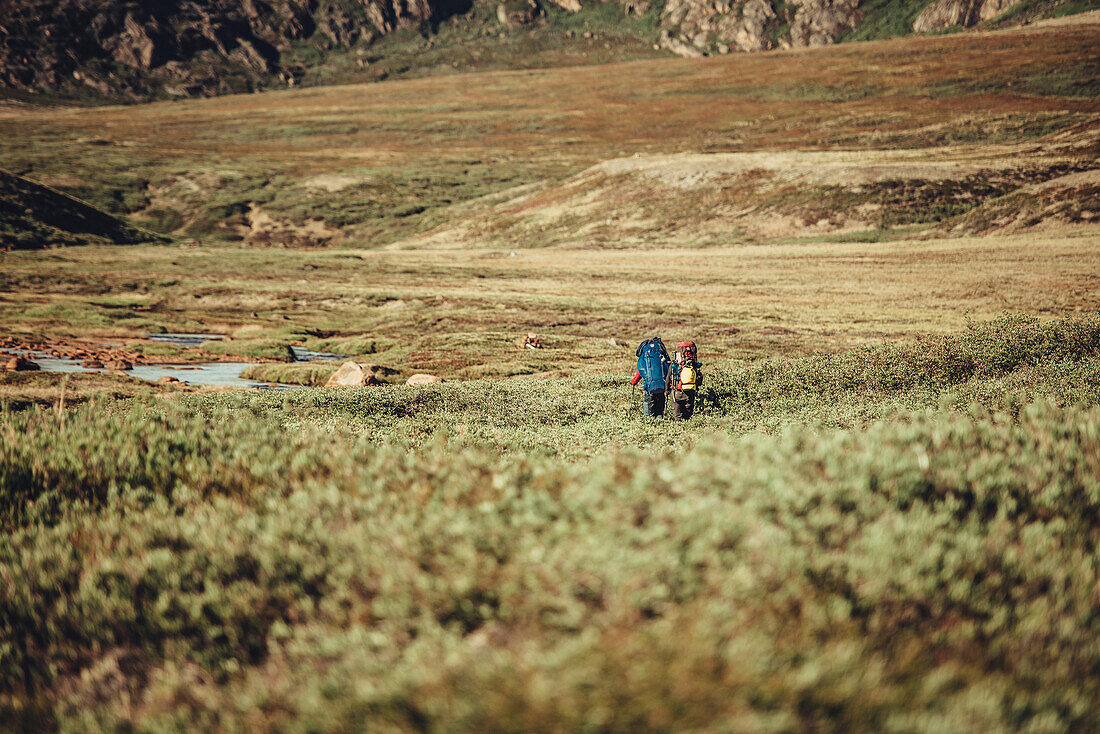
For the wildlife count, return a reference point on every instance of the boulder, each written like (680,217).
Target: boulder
(167,378)
(21,364)
(119,364)
(422,379)
(92,364)
(351,374)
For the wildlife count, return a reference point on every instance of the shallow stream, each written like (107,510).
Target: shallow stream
(203,373)
(198,373)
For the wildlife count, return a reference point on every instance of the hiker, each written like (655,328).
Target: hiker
(653,368)
(531,341)
(683,381)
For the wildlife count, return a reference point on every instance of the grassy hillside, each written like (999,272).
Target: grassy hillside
(330,561)
(34,216)
(885,19)
(372,165)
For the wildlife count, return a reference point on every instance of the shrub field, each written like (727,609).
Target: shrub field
(898,538)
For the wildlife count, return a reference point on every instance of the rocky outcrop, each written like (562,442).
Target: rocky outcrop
(136,49)
(696,27)
(820,22)
(947,13)
(139,48)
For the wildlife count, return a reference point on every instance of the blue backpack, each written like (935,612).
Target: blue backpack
(653,363)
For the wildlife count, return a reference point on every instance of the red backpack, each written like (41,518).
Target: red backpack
(688,350)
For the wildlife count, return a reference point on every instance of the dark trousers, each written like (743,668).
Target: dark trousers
(683,404)
(653,402)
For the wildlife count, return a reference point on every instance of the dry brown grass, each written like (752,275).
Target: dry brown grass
(461,313)
(438,141)
(494,154)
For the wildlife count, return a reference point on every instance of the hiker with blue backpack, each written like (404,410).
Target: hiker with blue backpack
(654,365)
(663,377)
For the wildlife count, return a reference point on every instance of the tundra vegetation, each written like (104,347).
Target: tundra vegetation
(889,538)
(884,517)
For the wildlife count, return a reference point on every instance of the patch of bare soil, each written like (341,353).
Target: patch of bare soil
(262,228)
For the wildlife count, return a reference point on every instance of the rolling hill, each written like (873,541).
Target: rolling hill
(33,216)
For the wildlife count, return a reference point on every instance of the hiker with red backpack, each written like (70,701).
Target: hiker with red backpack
(654,365)
(683,380)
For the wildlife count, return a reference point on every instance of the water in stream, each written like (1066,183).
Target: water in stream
(206,373)
(203,373)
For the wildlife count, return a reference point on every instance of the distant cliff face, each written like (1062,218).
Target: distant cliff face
(699,27)
(694,27)
(135,49)
(942,14)
(185,47)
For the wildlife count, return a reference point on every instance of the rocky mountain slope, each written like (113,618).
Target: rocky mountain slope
(34,216)
(126,49)
(185,47)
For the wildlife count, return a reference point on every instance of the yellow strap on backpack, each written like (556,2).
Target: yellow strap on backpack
(688,376)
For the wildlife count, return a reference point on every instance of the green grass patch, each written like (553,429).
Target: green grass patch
(1030,10)
(884,19)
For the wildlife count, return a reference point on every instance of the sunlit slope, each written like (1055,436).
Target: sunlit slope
(374,164)
(736,198)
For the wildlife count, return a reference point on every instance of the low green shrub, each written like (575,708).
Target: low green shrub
(987,351)
(423,559)
(931,573)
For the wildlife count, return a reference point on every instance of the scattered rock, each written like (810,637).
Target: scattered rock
(20,364)
(422,379)
(678,47)
(617,342)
